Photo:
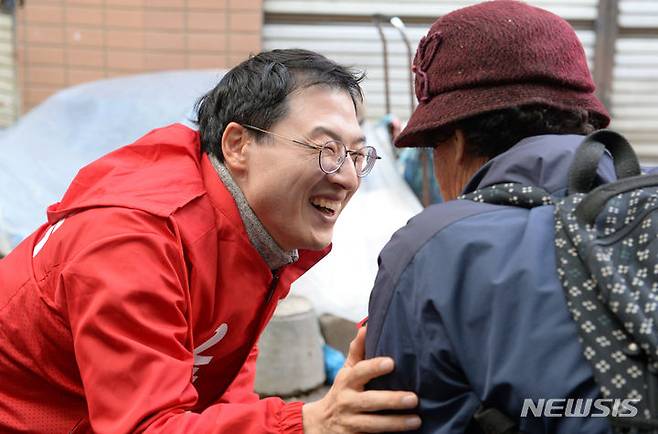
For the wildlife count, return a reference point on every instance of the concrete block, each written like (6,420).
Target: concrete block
(290,357)
(338,332)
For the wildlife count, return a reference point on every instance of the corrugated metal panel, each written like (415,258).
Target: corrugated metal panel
(638,13)
(634,95)
(7,71)
(359,45)
(356,45)
(570,9)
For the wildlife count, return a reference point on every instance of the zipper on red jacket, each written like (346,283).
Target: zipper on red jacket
(273,285)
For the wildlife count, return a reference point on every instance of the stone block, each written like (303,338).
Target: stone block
(338,332)
(290,359)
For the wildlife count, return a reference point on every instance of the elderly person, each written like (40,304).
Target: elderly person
(467,300)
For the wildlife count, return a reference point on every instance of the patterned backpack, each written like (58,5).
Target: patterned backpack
(606,241)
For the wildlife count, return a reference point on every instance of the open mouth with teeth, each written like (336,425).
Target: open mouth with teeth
(325,206)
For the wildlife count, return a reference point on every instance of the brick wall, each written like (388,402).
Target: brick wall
(65,42)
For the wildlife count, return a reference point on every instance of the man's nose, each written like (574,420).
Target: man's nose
(346,176)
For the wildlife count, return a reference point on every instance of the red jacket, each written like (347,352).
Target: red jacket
(137,307)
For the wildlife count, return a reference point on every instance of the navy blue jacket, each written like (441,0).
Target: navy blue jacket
(468,303)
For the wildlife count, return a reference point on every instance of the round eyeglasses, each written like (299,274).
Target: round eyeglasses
(333,154)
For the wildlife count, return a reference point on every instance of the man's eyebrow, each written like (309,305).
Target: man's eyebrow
(322,131)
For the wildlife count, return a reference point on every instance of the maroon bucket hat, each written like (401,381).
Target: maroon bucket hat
(496,55)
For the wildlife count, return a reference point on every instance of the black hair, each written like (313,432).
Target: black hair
(492,133)
(255,91)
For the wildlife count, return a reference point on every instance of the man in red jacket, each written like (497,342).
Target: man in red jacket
(137,306)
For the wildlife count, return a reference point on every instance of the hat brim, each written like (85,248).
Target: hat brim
(450,107)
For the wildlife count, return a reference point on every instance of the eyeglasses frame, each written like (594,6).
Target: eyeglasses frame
(319,148)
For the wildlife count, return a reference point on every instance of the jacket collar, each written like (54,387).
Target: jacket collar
(260,238)
(540,161)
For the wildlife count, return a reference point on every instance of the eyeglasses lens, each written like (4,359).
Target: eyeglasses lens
(367,160)
(333,154)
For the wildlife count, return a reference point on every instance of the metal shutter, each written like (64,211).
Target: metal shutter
(635,88)
(569,9)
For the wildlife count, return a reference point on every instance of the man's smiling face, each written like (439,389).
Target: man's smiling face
(296,201)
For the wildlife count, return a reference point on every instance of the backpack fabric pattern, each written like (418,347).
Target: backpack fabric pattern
(608,268)
(610,275)
(511,194)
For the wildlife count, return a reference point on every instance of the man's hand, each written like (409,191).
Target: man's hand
(347,408)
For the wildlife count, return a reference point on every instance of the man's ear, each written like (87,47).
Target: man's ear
(234,141)
(460,146)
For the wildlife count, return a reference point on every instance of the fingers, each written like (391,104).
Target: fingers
(356,406)
(371,423)
(346,408)
(377,400)
(357,349)
(366,370)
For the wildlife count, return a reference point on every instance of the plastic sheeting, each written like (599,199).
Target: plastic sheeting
(42,153)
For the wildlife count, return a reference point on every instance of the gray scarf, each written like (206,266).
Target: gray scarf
(269,250)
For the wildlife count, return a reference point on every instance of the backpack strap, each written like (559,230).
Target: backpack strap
(511,194)
(582,172)
(593,203)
